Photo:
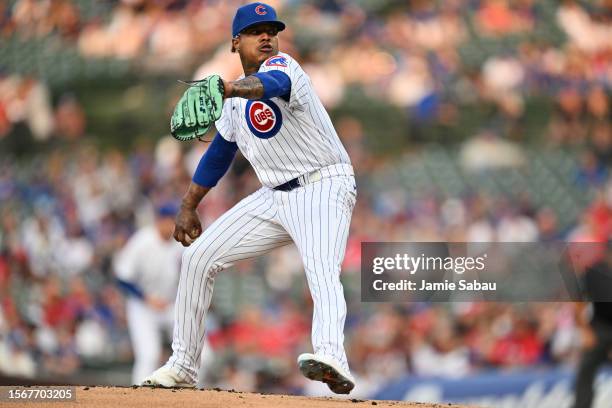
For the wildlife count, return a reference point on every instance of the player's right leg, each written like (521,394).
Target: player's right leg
(245,231)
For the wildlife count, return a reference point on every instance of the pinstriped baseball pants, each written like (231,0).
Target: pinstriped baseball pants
(316,217)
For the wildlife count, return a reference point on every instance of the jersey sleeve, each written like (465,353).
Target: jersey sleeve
(300,83)
(225,123)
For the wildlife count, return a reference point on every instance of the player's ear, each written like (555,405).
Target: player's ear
(235,42)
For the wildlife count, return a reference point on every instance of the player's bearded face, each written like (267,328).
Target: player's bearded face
(258,43)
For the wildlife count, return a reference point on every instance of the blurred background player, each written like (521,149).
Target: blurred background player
(147,268)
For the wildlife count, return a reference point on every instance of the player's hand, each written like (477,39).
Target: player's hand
(187,226)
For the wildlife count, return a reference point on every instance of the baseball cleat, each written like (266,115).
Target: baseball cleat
(165,377)
(325,369)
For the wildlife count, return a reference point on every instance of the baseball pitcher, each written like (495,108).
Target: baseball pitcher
(273,115)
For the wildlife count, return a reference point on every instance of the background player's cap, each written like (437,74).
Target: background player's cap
(167,209)
(254,13)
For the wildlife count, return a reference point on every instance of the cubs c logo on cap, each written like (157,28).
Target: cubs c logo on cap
(264,118)
(261,10)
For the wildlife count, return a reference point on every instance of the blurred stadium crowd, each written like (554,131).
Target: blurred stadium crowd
(64,214)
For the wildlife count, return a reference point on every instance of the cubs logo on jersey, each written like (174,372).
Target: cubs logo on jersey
(277,61)
(264,118)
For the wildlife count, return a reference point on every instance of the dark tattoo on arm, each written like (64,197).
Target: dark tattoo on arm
(249,88)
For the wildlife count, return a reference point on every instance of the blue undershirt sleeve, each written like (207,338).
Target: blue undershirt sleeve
(275,83)
(215,162)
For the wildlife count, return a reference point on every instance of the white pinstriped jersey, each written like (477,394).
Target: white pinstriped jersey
(283,139)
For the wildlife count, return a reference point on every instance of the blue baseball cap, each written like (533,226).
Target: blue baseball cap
(254,13)
(167,209)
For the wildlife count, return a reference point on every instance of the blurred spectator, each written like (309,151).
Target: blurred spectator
(516,227)
(443,354)
(498,18)
(24,99)
(520,347)
(34,17)
(486,151)
(588,34)
(592,172)
(70,119)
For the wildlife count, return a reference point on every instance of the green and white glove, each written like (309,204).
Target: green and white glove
(198,109)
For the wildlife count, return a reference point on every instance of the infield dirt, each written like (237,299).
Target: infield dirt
(128,397)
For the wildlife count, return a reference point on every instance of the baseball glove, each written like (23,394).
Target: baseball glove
(198,109)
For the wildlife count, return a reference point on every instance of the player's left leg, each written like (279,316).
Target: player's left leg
(318,217)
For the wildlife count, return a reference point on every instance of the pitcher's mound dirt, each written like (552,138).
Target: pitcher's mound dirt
(141,397)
